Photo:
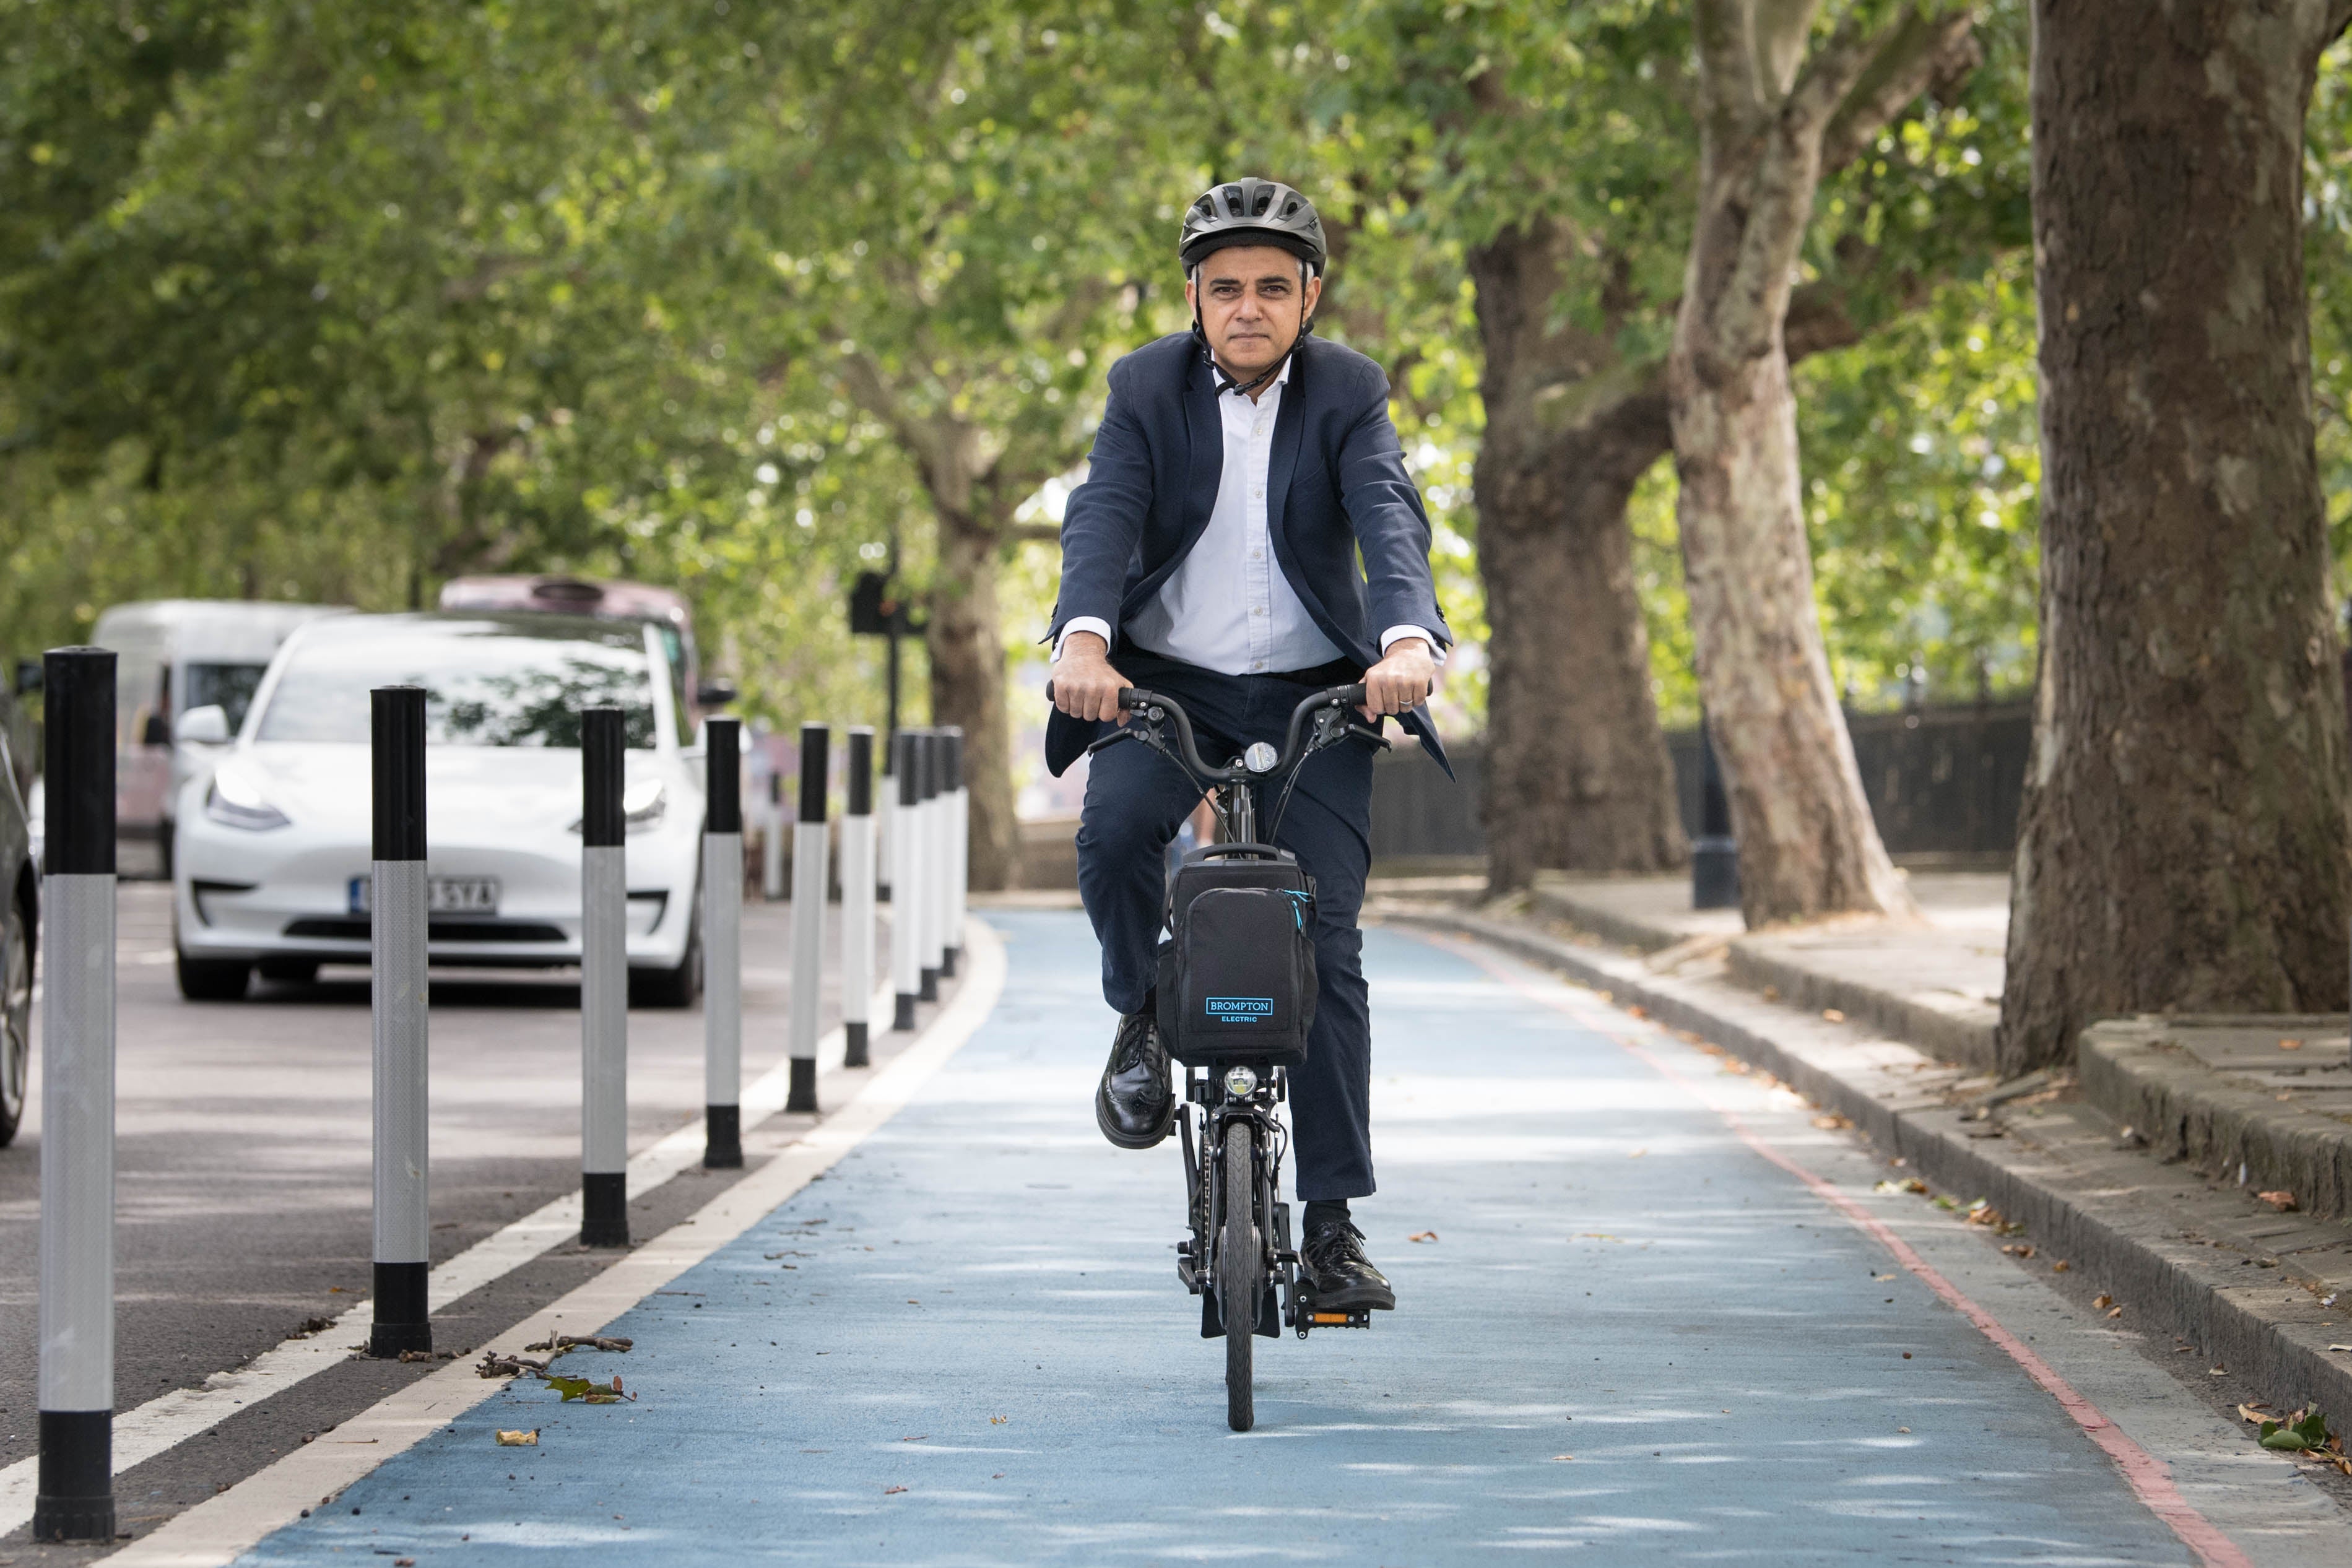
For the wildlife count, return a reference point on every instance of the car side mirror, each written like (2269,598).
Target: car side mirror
(206,726)
(28,676)
(715,694)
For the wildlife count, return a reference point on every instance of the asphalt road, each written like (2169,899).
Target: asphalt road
(243,1140)
(1649,1312)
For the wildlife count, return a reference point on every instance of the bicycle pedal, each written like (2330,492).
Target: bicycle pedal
(1356,1320)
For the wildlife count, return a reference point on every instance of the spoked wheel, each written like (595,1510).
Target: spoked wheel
(1241,1277)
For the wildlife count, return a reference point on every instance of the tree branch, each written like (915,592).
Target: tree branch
(1033,533)
(1926,48)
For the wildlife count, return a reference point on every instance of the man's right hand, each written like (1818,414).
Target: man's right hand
(1084,685)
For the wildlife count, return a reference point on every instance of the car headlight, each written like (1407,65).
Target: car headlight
(234,802)
(643,803)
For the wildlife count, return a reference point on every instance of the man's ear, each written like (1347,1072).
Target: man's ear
(1314,291)
(1193,293)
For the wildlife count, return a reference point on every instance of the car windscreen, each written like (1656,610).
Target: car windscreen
(488,682)
(229,687)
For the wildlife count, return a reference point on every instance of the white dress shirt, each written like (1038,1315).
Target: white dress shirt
(1227,606)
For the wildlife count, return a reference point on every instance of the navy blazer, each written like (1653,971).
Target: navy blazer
(1335,487)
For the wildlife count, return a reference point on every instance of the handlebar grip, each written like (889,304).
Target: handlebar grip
(1354,693)
(1129,696)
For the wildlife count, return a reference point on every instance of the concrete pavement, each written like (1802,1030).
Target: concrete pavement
(1658,1316)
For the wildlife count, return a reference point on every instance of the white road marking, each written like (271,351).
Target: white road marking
(170,1419)
(216,1531)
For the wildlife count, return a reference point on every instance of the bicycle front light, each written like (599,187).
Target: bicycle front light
(1241,1083)
(1260,758)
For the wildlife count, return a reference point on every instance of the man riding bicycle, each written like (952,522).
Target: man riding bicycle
(1241,470)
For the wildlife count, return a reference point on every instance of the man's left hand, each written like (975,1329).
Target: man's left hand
(1401,681)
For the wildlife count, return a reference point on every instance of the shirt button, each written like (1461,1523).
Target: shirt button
(1258,609)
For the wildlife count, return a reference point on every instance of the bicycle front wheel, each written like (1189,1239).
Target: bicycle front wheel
(1241,1276)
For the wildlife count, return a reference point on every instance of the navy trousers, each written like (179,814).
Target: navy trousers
(1136,800)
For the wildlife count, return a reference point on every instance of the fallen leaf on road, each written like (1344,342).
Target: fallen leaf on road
(2060,1267)
(2103,1302)
(1946,1201)
(2290,1045)
(520,1439)
(1832,1123)
(892,1491)
(581,1342)
(1834,1014)
(2020,1250)
(1637,1012)
(919,1438)
(1637,1154)
(1882,1277)
(2340,1348)
(2281,1201)
(1422,1236)
(2216,1371)
(1597,1236)
(2305,1430)
(1911,1184)
(2248,1413)
(998,1421)
(2115,1312)
(1904,1429)
(1562,1459)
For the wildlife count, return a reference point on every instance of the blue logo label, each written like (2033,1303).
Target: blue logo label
(1240,1009)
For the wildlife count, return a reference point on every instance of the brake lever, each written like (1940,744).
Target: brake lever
(1367,732)
(1113,739)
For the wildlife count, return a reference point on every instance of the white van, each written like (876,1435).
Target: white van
(172,655)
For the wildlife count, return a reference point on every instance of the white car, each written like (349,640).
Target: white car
(275,840)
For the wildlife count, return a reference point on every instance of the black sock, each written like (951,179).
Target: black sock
(1324,1210)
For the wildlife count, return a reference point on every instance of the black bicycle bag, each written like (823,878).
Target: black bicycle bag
(1237,973)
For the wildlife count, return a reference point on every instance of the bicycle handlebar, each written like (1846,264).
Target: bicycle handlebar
(1293,747)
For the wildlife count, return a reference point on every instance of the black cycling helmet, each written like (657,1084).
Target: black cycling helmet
(1252,211)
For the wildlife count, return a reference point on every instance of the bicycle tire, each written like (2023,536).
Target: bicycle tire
(1241,1277)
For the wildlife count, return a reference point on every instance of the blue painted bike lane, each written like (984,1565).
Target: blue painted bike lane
(1631,1338)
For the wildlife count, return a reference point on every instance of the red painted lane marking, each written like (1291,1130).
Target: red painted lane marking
(2147,1476)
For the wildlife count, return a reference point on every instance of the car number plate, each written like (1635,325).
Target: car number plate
(443,894)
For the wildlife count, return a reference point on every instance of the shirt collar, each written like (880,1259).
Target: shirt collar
(1282,378)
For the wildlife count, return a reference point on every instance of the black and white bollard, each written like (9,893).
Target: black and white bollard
(771,843)
(74,1497)
(885,816)
(722,945)
(858,901)
(604,983)
(808,917)
(906,881)
(398,907)
(956,811)
(931,923)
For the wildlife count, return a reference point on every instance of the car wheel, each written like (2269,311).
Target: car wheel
(676,988)
(15,1016)
(212,979)
(288,971)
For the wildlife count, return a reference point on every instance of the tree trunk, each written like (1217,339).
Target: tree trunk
(1577,776)
(2183,840)
(1808,846)
(966,652)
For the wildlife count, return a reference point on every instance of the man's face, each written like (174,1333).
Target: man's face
(1251,304)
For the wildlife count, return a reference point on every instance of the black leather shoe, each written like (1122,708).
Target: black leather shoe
(1133,1104)
(1338,1276)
